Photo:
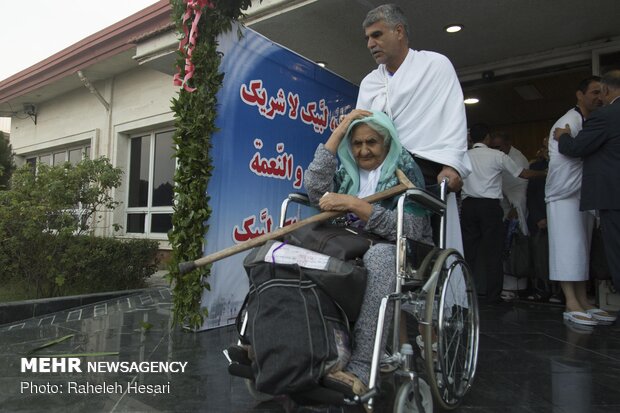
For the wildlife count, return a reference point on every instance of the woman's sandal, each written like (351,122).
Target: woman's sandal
(346,383)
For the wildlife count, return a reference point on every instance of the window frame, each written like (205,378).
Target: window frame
(147,210)
(85,150)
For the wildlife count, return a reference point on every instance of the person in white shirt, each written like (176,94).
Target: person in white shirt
(481,213)
(514,201)
(514,189)
(570,230)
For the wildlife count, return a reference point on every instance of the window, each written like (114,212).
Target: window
(56,157)
(45,159)
(75,155)
(150,187)
(60,156)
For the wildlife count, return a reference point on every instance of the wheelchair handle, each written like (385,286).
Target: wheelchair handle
(443,222)
(443,188)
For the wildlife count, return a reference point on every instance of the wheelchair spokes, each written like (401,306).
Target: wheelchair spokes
(456,328)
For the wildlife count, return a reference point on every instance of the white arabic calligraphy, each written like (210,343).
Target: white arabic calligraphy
(288,104)
(280,167)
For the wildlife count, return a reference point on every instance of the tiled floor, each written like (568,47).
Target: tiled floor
(529,361)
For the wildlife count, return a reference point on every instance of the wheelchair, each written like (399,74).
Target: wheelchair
(439,294)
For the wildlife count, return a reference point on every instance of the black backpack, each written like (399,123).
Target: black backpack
(297,333)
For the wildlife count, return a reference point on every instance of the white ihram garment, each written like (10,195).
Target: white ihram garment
(570,233)
(515,190)
(570,230)
(425,101)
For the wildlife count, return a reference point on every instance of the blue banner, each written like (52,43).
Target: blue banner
(274,108)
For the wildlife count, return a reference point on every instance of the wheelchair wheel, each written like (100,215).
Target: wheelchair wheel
(405,398)
(451,327)
(427,263)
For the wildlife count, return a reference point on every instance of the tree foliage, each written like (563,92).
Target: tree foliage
(42,211)
(65,198)
(7,164)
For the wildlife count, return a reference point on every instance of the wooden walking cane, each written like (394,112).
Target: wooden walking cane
(188,266)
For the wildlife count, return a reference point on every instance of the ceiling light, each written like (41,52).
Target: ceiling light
(453,28)
(471,101)
(322,64)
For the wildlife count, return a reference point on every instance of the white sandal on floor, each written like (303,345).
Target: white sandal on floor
(601,315)
(579,317)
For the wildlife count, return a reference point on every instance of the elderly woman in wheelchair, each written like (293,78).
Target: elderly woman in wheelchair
(436,288)
(370,152)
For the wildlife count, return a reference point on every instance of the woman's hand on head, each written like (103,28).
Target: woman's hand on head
(345,121)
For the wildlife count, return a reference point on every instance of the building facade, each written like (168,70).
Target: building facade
(107,95)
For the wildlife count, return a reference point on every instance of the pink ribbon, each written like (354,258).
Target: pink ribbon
(188,42)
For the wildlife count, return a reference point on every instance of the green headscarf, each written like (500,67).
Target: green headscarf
(347,179)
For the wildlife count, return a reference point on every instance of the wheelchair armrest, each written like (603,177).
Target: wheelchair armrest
(296,197)
(426,200)
(299,198)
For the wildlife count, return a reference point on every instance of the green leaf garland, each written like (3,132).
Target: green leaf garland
(195,114)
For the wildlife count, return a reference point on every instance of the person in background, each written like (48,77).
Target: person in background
(535,197)
(482,215)
(570,230)
(598,143)
(514,205)
(541,289)
(514,189)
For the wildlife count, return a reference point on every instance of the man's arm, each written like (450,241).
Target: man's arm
(531,174)
(588,141)
(515,170)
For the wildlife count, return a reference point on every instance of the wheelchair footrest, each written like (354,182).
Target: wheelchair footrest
(321,395)
(317,394)
(241,370)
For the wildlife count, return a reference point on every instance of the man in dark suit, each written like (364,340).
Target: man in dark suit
(598,144)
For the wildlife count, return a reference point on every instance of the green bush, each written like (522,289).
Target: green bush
(47,241)
(80,265)
(92,264)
